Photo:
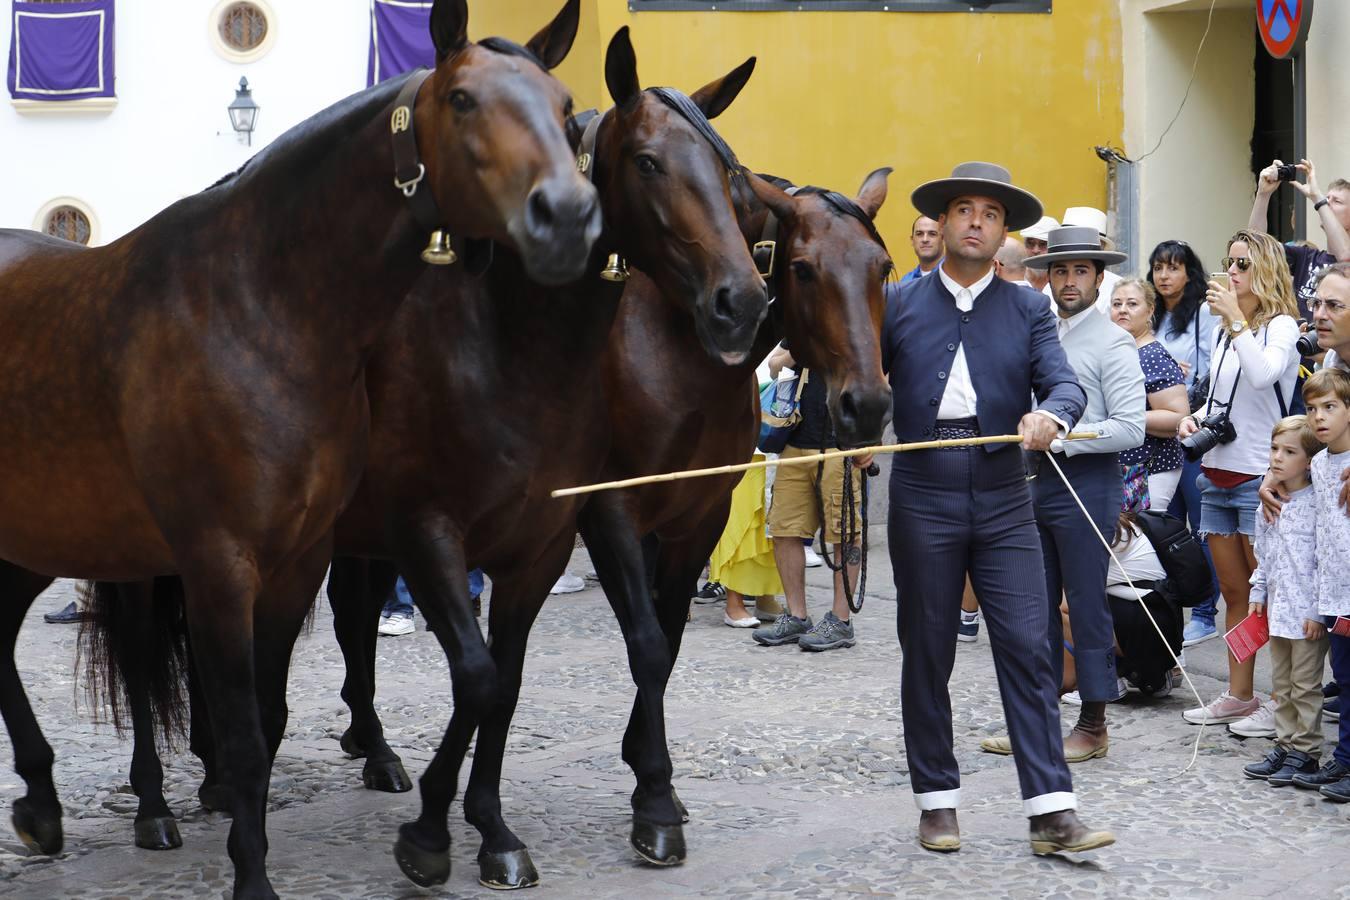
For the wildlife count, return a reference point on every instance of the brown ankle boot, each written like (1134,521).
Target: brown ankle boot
(1088,738)
(1062,831)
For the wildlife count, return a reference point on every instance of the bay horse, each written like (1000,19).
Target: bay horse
(486,393)
(191,399)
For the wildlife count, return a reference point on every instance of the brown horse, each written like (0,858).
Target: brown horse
(191,398)
(488,392)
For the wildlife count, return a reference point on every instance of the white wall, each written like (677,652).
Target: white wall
(1329,96)
(169,135)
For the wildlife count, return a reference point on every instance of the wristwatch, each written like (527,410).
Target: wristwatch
(1317,207)
(1236,328)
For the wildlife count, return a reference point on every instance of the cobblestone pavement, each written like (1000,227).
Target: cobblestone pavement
(791,764)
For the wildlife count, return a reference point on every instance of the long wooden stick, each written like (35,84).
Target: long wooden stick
(803,460)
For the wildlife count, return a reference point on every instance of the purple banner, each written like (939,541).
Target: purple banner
(61,51)
(400,38)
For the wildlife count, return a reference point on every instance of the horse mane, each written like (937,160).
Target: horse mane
(842,205)
(511,48)
(690,112)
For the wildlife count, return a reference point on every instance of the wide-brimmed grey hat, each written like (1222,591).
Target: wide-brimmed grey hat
(979,179)
(1074,242)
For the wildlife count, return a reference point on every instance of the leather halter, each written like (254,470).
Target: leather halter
(765,251)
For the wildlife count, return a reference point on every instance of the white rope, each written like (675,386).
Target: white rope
(1195,751)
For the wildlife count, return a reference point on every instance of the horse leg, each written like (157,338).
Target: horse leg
(503,860)
(433,565)
(221,607)
(617,552)
(37,815)
(356,592)
(213,794)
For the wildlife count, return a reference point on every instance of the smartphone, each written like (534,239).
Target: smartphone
(1221,278)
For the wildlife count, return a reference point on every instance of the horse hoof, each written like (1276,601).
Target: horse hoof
(660,845)
(679,806)
(350,746)
(389,777)
(507,871)
(40,836)
(158,833)
(425,868)
(215,798)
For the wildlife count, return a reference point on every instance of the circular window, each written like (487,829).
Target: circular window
(243,30)
(68,219)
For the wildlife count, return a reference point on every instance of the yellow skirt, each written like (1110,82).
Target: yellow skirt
(743,558)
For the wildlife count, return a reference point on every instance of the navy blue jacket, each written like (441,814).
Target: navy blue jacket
(1012,351)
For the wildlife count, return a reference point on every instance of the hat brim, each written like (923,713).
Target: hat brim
(1021,208)
(1045,260)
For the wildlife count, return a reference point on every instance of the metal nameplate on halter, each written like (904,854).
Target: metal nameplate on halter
(584,163)
(761,248)
(409,187)
(400,120)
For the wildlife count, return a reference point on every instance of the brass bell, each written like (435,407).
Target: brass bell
(616,270)
(438,251)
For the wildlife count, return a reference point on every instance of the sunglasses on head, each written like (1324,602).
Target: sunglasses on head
(1243,262)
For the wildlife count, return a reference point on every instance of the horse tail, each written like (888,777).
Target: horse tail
(133,644)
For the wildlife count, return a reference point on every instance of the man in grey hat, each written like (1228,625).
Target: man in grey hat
(965,353)
(1106,361)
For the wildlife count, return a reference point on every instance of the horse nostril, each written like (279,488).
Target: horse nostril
(540,211)
(848,409)
(723,308)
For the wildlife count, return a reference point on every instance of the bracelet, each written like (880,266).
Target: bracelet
(1317,207)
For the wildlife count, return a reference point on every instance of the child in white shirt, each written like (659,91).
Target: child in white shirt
(1284,590)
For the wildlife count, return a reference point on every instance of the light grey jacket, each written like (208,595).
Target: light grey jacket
(1106,361)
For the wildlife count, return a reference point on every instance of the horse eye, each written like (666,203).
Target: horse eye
(887,270)
(646,165)
(461,101)
(802,271)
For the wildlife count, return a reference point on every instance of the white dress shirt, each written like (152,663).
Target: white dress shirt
(958,398)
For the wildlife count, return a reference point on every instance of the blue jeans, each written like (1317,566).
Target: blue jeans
(400,601)
(1186,506)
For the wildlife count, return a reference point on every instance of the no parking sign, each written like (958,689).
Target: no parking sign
(1283,25)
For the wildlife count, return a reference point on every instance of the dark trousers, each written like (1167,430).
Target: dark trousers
(1186,506)
(1340,671)
(953,513)
(1076,563)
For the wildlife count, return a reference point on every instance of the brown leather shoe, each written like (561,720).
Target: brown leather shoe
(938,831)
(1062,832)
(1002,745)
(1088,739)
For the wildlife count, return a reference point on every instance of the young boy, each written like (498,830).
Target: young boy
(1284,590)
(1327,395)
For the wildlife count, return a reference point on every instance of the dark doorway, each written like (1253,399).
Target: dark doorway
(1273,133)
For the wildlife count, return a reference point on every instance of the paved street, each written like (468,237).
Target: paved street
(791,764)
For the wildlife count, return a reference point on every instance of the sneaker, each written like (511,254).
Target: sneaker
(396,624)
(1273,762)
(1296,763)
(813,559)
(568,584)
(786,629)
(1331,708)
(1224,708)
(1122,687)
(831,633)
(1259,724)
(1330,773)
(711,592)
(70,615)
(1198,631)
(969,629)
(1338,792)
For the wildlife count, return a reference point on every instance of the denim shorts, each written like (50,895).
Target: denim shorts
(1228,510)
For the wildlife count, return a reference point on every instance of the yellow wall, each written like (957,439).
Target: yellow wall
(836,95)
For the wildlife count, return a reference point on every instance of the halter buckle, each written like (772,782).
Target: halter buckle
(409,187)
(759,252)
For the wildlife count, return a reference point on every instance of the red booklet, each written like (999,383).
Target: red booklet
(1248,636)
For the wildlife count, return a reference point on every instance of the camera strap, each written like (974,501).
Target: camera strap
(1214,379)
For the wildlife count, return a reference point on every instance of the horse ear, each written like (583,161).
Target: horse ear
(873,191)
(621,69)
(449,27)
(715,96)
(555,39)
(779,202)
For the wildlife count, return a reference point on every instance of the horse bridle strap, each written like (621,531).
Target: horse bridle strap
(409,171)
(765,251)
(586,152)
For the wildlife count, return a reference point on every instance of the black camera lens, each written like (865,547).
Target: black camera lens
(1286,173)
(1307,344)
(1214,430)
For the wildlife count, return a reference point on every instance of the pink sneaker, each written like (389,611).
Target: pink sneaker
(1225,708)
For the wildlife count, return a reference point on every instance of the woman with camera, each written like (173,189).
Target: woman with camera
(1252,381)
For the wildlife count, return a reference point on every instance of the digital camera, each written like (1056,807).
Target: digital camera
(1214,429)
(1286,173)
(1307,344)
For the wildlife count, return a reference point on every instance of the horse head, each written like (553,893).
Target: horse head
(830,264)
(664,176)
(492,121)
